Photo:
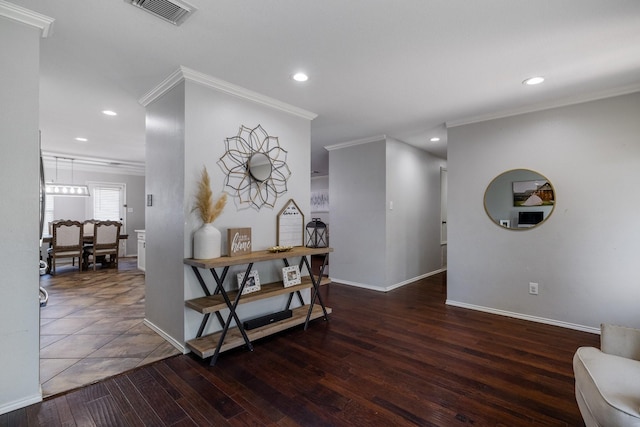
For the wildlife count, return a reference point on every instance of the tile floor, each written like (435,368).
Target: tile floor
(92,327)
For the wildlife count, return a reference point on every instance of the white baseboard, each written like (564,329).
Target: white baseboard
(390,287)
(21,403)
(356,284)
(522,316)
(167,337)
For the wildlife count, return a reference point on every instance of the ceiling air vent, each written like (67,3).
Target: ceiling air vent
(174,11)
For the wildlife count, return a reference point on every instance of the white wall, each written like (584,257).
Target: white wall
(165,219)
(211,117)
(375,246)
(585,257)
(357,187)
(186,130)
(19,216)
(413,225)
(79,208)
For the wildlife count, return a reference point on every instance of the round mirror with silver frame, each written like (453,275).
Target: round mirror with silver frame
(259,166)
(519,199)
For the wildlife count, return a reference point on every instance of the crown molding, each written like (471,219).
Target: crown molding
(187,74)
(355,142)
(92,164)
(625,90)
(26,16)
(165,86)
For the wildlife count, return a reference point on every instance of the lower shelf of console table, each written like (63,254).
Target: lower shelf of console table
(205,346)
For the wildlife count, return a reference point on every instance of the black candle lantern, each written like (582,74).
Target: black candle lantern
(317,235)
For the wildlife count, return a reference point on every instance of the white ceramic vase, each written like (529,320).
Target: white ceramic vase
(206,242)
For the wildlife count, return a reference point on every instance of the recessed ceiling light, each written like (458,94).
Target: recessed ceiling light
(81,139)
(434,139)
(533,81)
(300,77)
(109,113)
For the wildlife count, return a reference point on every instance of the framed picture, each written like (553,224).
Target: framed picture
(533,193)
(291,276)
(320,201)
(253,282)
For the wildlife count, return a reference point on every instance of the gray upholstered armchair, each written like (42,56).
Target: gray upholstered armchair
(608,379)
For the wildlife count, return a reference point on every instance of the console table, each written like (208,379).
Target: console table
(212,345)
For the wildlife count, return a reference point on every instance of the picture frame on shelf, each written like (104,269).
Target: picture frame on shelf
(291,276)
(253,282)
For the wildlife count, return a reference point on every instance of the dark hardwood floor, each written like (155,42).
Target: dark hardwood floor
(402,358)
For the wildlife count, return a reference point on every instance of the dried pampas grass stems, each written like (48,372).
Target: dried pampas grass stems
(204,200)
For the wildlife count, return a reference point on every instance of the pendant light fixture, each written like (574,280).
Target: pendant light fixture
(57,189)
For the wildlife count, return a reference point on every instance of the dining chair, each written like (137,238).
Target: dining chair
(105,242)
(87,227)
(66,242)
(73,260)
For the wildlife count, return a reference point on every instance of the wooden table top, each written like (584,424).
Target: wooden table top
(256,256)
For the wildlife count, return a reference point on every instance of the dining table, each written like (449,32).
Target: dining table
(86,238)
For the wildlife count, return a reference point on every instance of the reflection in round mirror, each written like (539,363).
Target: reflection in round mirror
(259,166)
(519,199)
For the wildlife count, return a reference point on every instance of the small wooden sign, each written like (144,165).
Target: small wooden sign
(290,223)
(238,241)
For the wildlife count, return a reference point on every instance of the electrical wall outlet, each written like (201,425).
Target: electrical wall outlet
(533,288)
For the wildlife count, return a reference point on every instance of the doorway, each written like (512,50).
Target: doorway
(92,326)
(443,216)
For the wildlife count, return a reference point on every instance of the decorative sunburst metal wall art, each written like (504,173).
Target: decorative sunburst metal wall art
(256,167)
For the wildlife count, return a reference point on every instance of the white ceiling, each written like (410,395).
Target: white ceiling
(401,68)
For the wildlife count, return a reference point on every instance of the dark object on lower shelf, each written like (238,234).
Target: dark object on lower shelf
(265,320)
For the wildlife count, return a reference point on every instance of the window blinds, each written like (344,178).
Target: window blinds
(106,203)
